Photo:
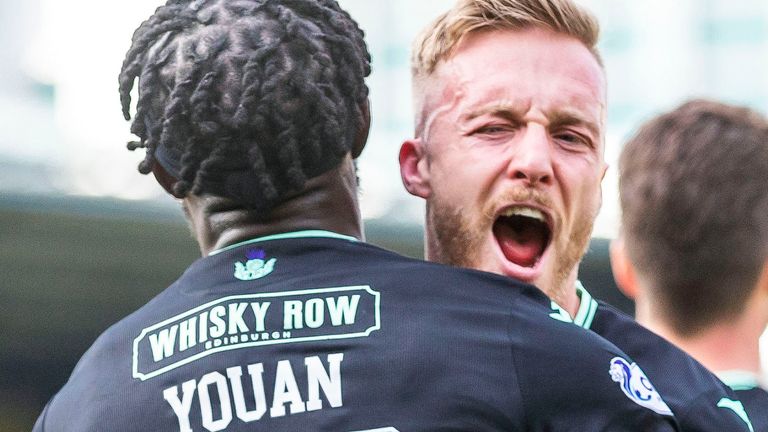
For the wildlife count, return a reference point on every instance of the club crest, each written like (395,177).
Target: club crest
(256,267)
(636,386)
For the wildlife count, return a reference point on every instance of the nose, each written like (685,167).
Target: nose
(531,159)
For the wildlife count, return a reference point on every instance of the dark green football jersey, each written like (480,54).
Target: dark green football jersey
(314,331)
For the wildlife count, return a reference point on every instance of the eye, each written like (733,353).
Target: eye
(493,130)
(573,139)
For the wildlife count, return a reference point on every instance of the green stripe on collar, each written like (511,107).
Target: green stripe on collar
(587,307)
(739,379)
(290,235)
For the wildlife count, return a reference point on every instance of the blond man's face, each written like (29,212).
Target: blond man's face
(510,158)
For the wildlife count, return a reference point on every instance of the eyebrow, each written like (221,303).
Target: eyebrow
(501,110)
(570,117)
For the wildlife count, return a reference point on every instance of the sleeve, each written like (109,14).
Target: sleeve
(572,380)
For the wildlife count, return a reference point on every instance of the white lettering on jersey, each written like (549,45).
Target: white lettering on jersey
(330,381)
(187,334)
(217,319)
(224,413)
(342,310)
(181,407)
(286,390)
(259,313)
(235,317)
(315,313)
(216,417)
(256,371)
(292,314)
(162,343)
(249,320)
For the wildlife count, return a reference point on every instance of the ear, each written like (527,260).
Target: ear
(414,168)
(623,271)
(166,180)
(362,135)
(605,170)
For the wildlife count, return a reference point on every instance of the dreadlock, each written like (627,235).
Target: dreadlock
(246,99)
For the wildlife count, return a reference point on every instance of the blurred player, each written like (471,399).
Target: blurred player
(694,199)
(509,98)
(251,113)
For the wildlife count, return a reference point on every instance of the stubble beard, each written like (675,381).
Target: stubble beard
(570,254)
(454,239)
(457,239)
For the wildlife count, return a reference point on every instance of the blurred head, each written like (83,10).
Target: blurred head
(509,98)
(694,205)
(246,100)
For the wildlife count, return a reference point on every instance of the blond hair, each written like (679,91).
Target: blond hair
(437,42)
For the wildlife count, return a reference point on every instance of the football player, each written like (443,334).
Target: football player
(694,246)
(510,105)
(251,113)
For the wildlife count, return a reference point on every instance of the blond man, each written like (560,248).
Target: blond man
(508,153)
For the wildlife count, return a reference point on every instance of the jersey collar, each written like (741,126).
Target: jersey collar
(289,235)
(587,307)
(739,379)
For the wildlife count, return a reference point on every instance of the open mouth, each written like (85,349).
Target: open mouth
(523,235)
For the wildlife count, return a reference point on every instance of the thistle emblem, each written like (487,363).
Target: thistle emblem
(255,267)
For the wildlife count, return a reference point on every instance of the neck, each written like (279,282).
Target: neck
(564,293)
(560,287)
(731,344)
(327,202)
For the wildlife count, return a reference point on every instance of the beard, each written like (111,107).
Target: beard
(453,238)
(457,237)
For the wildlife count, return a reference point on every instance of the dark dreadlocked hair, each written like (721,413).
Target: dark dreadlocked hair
(246,99)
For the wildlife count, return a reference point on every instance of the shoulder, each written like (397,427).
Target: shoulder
(102,374)
(755,401)
(659,357)
(755,394)
(564,362)
(691,390)
(450,281)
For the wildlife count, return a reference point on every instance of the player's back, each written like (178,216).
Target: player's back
(699,400)
(313,331)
